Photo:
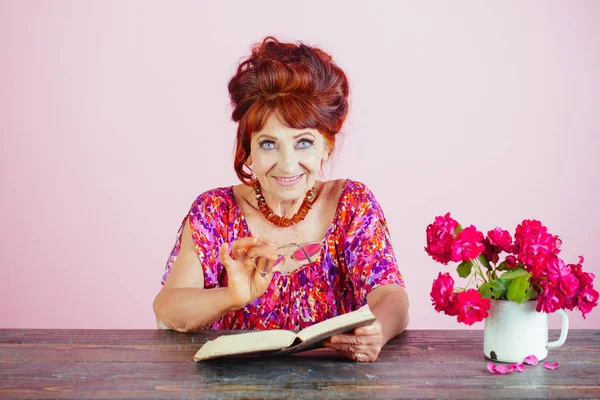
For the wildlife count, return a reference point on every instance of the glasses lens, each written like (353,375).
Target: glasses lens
(307,253)
(262,263)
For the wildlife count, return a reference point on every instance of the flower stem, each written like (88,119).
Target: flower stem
(470,280)
(478,267)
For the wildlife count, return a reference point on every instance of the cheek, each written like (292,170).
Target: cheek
(312,163)
(262,163)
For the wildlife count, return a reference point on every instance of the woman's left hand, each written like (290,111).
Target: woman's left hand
(362,346)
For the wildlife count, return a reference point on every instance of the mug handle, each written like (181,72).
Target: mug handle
(563,331)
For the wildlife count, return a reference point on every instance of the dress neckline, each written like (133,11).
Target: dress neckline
(323,241)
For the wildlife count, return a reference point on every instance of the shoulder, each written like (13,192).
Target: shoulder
(357,204)
(344,190)
(356,193)
(212,204)
(213,197)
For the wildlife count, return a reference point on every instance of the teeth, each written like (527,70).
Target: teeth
(293,178)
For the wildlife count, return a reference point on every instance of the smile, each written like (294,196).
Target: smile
(288,180)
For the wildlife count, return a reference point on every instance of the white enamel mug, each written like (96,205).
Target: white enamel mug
(514,331)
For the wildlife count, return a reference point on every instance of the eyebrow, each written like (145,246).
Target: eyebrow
(264,135)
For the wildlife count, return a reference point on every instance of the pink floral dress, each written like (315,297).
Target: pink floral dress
(355,258)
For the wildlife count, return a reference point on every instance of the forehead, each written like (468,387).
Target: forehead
(274,127)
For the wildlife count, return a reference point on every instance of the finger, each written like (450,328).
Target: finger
(364,357)
(262,251)
(265,269)
(240,246)
(360,354)
(243,243)
(367,330)
(224,254)
(238,253)
(347,339)
(347,348)
(267,273)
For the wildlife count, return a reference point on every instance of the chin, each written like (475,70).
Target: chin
(289,194)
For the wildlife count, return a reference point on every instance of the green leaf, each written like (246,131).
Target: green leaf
(485,291)
(484,261)
(518,288)
(495,289)
(458,229)
(528,293)
(514,273)
(501,266)
(464,269)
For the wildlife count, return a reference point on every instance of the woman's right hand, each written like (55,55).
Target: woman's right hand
(244,282)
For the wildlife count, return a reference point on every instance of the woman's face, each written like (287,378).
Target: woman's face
(286,161)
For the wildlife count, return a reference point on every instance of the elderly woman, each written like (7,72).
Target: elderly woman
(284,250)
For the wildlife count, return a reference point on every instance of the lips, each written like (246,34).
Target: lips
(288,180)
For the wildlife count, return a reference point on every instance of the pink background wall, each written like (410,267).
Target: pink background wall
(114,116)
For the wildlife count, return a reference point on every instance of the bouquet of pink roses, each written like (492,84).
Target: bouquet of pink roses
(530,269)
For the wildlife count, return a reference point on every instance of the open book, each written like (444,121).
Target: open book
(282,342)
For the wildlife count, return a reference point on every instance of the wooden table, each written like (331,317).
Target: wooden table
(158,364)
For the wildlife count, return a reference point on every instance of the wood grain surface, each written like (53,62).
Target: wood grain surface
(37,363)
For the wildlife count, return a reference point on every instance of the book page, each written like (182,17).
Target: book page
(310,338)
(249,343)
(348,321)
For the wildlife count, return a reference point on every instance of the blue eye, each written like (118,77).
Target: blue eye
(267,145)
(305,144)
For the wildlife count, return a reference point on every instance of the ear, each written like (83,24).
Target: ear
(249,162)
(326,155)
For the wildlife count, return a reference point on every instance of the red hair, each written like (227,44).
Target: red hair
(301,84)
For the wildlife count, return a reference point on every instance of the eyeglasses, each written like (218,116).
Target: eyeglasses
(302,253)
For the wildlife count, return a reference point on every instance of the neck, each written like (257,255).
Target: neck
(283,208)
(284,212)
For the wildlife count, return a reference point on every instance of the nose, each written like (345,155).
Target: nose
(288,161)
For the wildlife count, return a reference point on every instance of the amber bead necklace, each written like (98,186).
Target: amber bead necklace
(276,219)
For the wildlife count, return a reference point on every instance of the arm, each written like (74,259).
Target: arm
(185,305)
(185,309)
(375,279)
(389,303)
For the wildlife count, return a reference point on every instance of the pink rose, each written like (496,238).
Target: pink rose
(467,245)
(490,252)
(539,272)
(500,238)
(535,244)
(588,299)
(557,242)
(439,237)
(560,274)
(577,268)
(453,307)
(510,261)
(472,307)
(550,300)
(442,292)
(497,241)
(586,279)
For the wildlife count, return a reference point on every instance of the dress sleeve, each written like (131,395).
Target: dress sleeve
(208,230)
(368,251)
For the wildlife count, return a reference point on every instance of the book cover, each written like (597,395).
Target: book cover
(283,342)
